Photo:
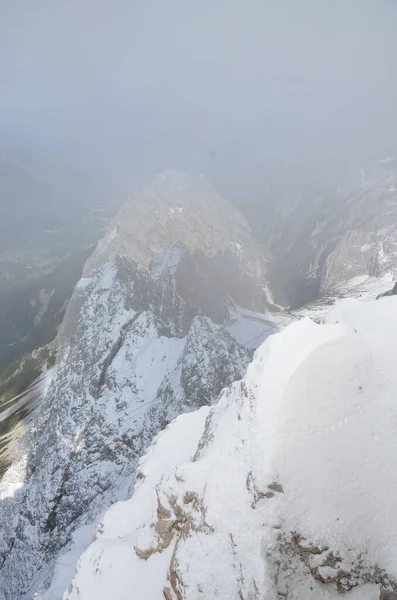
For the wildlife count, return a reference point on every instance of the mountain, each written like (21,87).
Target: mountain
(318,238)
(164,317)
(285,488)
(160,456)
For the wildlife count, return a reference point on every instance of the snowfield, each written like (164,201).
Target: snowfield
(286,488)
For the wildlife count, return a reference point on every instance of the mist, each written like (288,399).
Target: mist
(250,93)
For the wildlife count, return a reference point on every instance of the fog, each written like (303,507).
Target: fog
(249,92)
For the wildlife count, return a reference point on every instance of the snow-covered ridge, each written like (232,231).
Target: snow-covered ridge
(288,489)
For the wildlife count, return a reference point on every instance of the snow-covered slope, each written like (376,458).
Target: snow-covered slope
(284,489)
(147,336)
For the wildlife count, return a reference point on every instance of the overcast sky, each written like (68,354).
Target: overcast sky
(242,89)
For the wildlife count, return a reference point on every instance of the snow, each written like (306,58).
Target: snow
(250,328)
(119,568)
(107,276)
(386,159)
(66,564)
(383,258)
(367,287)
(30,397)
(236,248)
(153,358)
(366,247)
(84,282)
(178,210)
(300,455)
(167,262)
(14,478)
(362,286)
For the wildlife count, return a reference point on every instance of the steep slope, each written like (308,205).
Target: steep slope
(284,489)
(145,338)
(320,238)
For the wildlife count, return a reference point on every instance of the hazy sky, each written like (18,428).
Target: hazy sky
(242,89)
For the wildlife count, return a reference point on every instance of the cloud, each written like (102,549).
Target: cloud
(246,89)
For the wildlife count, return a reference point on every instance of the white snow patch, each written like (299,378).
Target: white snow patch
(381,254)
(386,159)
(366,247)
(108,276)
(153,358)
(249,328)
(166,262)
(84,282)
(235,248)
(14,478)
(176,210)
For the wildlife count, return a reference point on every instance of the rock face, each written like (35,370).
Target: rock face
(176,207)
(144,339)
(320,239)
(285,489)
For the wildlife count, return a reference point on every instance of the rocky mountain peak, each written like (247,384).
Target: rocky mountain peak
(175,208)
(179,241)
